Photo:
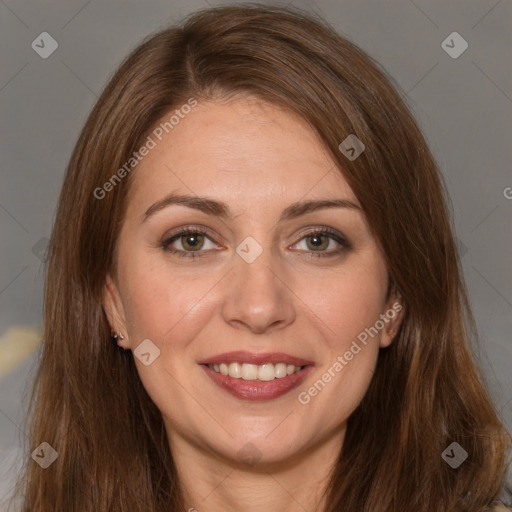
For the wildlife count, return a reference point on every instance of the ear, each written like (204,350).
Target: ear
(392,317)
(113,307)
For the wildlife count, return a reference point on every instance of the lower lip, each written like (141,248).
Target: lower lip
(256,390)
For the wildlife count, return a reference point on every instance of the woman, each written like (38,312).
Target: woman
(253,216)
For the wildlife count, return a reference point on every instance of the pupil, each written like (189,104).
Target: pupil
(316,241)
(192,240)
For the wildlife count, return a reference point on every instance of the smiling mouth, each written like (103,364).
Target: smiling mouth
(272,385)
(255,372)
(256,376)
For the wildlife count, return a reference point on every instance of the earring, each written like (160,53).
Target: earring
(115,339)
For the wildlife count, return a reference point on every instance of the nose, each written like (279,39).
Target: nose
(259,297)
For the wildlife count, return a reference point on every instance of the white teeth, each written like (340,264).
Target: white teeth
(266,372)
(280,370)
(263,372)
(235,370)
(249,371)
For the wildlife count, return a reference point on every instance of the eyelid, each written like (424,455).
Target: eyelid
(185,230)
(174,235)
(330,233)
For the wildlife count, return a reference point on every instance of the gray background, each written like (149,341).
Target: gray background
(463,105)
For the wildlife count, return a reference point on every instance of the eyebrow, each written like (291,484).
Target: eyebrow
(222,210)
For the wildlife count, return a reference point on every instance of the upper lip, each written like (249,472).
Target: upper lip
(242,356)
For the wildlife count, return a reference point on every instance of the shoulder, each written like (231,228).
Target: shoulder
(500,508)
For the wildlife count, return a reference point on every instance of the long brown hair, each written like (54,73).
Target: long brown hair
(88,402)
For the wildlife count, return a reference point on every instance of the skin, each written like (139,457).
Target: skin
(258,159)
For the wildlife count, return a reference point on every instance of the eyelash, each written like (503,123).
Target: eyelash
(200,231)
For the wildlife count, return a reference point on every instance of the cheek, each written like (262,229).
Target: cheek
(346,303)
(345,309)
(163,305)
(348,354)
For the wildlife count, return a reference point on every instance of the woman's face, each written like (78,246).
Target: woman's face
(262,284)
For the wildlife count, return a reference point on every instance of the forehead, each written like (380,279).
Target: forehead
(242,149)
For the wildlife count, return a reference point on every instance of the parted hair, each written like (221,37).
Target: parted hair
(427,391)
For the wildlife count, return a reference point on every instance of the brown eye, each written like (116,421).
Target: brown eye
(192,241)
(323,242)
(317,242)
(188,243)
